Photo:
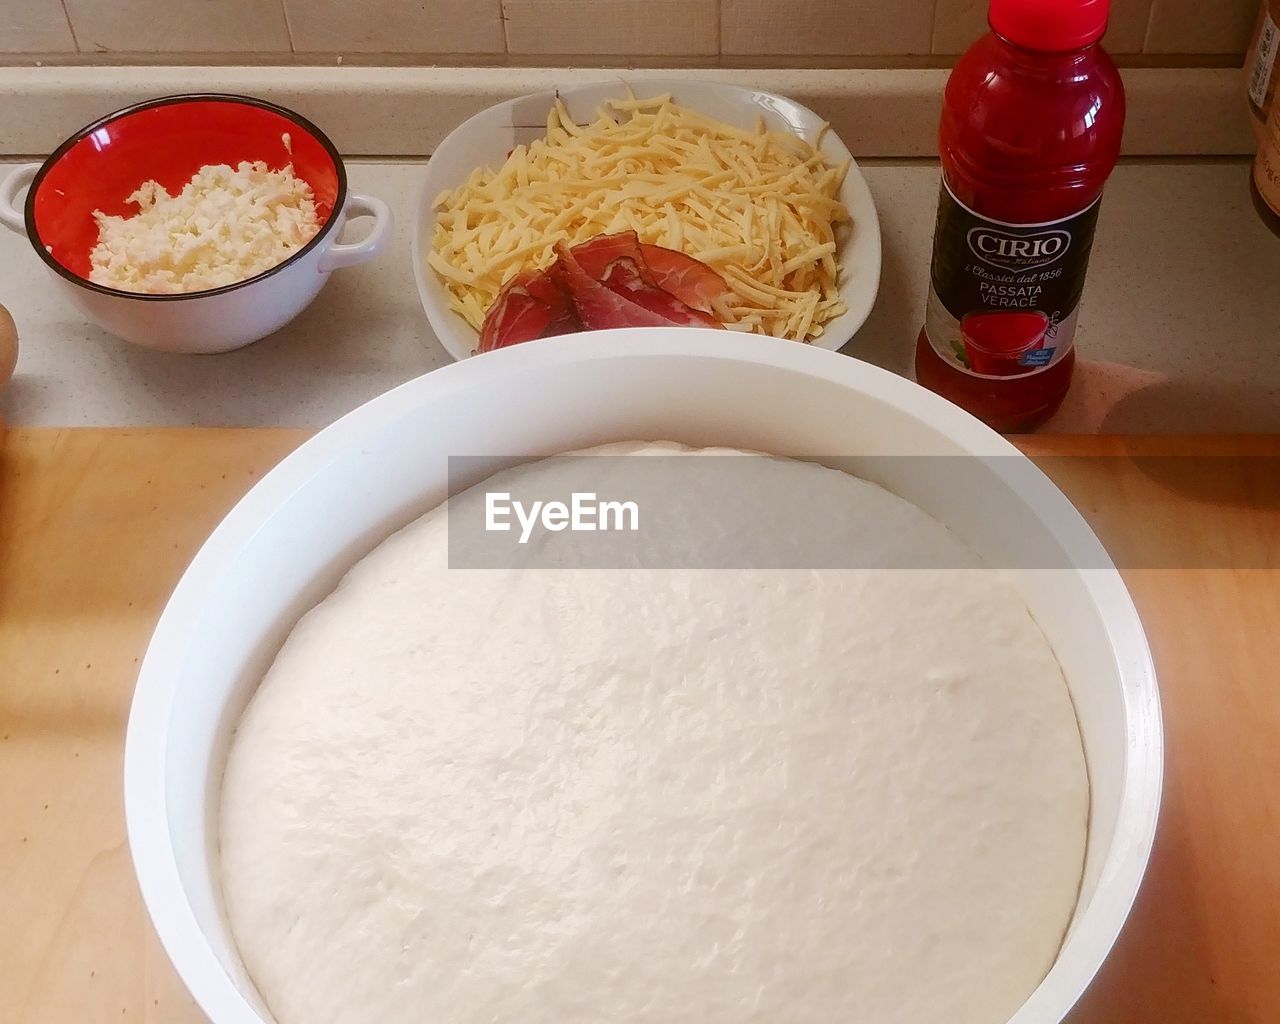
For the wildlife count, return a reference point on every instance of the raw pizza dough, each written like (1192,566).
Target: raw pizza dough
(676,797)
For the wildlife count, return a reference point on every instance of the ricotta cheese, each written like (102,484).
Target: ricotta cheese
(227,224)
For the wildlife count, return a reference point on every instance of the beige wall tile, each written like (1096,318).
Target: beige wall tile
(637,27)
(182,26)
(1127,31)
(1201,26)
(34,26)
(396,26)
(826,26)
(957,23)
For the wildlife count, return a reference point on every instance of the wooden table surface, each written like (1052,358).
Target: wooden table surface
(97,525)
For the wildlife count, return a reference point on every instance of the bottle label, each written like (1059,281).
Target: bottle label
(1004,297)
(1264,60)
(1266,166)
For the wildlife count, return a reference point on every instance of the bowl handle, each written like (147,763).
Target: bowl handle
(11,215)
(348,254)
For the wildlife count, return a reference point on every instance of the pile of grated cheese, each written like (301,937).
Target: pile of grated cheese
(760,207)
(225,226)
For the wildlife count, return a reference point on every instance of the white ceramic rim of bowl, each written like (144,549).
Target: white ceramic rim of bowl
(146,750)
(861,250)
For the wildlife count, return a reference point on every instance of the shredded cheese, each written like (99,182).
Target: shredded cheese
(760,207)
(226,225)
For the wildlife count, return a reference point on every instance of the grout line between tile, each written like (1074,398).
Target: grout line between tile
(288,26)
(1151,20)
(933,28)
(70,26)
(502,17)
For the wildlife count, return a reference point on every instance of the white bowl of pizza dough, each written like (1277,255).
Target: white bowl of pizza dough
(284,546)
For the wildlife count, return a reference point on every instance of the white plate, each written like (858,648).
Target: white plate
(283,547)
(488,137)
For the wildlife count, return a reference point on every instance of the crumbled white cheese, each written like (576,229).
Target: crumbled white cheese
(226,225)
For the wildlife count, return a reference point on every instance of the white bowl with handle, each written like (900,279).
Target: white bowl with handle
(169,139)
(285,545)
(486,139)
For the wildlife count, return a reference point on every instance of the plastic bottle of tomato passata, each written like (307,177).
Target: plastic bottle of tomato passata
(1031,126)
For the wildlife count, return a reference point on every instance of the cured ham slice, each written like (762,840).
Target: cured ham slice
(529,306)
(598,254)
(607,282)
(617,262)
(565,319)
(689,280)
(599,307)
(627,278)
(515,315)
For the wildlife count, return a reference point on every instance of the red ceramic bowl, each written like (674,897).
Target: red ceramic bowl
(168,140)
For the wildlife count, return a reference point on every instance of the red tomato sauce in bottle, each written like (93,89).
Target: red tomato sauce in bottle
(1031,125)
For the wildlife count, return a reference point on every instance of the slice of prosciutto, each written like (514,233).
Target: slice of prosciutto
(565,319)
(599,307)
(608,281)
(688,279)
(617,262)
(529,306)
(597,255)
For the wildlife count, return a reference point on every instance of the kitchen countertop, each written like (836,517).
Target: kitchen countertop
(98,525)
(1178,334)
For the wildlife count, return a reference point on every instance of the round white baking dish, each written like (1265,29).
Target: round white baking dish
(285,545)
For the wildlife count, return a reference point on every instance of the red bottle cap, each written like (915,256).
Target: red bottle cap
(1053,25)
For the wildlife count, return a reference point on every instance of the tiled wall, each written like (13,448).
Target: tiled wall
(579,31)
